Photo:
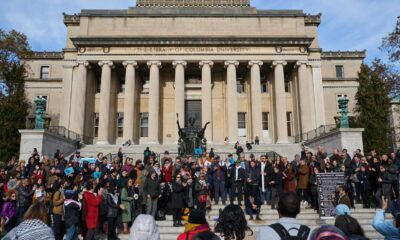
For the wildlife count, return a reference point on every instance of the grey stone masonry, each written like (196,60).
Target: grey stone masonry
(193,3)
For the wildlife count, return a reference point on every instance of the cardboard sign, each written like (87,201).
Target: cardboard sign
(97,175)
(327,186)
(69,171)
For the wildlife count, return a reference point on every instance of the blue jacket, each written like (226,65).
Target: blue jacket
(386,228)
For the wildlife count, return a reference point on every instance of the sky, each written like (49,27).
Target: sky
(346,24)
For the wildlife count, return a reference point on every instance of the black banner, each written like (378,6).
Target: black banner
(327,186)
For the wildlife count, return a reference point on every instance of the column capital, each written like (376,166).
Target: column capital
(127,63)
(202,63)
(84,63)
(235,63)
(109,63)
(299,63)
(276,63)
(176,63)
(252,63)
(156,63)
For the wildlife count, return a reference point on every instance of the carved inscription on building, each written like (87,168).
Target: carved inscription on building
(191,50)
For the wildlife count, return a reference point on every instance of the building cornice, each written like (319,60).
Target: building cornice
(72,20)
(190,12)
(191,41)
(192,3)
(46,56)
(343,55)
(312,20)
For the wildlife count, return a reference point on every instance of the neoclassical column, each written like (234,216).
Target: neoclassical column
(154,101)
(318,93)
(78,102)
(256,109)
(105,102)
(206,98)
(68,70)
(231,99)
(179,93)
(305,109)
(130,107)
(280,102)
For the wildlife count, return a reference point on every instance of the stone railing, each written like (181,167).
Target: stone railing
(322,130)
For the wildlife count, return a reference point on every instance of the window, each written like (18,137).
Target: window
(47,102)
(120,124)
(44,72)
(144,124)
(287,86)
(145,86)
(121,84)
(339,71)
(241,124)
(264,84)
(289,123)
(96,124)
(240,86)
(287,76)
(265,120)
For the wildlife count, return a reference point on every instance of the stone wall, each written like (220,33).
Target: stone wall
(45,143)
(349,138)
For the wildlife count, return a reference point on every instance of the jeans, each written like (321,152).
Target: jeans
(236,191)
(112,228)
(21,212)
(219,187)
(266,196)
(177,214)
(151,205)
(57,227)
(71,233)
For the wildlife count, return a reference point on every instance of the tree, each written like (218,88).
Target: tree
(391,43)
(13,103)
(372,106)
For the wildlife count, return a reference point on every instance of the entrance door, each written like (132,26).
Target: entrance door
(193,110)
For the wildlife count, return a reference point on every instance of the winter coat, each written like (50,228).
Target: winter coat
(254,175)
(126,201)
(112,206)
(167,173)
(303,177)
(32,229)
(72,214)
(58,203)
(178,196)
(144,228)
(24,196)
(363,178)
(218,172)
(290,181)
(191,234)
(9,209)
(151,187)
(92,203)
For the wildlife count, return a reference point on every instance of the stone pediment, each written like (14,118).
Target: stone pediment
(193,3)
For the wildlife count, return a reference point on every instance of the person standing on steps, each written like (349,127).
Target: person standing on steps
(177,200)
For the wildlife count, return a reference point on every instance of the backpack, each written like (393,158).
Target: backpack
(284,234)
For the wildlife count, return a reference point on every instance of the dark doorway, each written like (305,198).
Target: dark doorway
(193,110)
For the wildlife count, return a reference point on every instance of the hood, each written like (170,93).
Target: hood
(144,228)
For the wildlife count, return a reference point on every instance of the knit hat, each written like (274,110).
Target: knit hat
(328,232)
(69,194)
(342,209)
(197,216)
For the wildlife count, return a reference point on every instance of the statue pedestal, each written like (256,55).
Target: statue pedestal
(349,138)
(46,143)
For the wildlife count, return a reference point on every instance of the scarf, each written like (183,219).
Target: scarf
(114,197)
(189,227)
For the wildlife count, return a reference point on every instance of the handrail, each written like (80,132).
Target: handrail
(320,131)
(68,134)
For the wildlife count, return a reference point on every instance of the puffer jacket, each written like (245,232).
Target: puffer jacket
(24,196)
(144,228)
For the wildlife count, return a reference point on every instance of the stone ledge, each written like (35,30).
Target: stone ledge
(344,54)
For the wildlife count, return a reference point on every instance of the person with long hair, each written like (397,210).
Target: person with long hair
(350,227)
(232,224)
(34,225)
(91,203)
(127,200)
(9,209)
(58,210)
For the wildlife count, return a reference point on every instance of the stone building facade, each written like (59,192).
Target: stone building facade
(126,74)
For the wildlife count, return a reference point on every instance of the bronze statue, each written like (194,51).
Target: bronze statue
(39,112)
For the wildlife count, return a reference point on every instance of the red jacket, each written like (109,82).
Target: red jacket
(92,209)
(199,229)
(167,172)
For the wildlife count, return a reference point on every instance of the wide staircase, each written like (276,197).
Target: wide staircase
(136,151)
(307,217)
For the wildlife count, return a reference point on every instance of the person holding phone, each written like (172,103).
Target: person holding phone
(389,229)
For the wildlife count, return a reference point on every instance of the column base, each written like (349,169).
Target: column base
(102,143)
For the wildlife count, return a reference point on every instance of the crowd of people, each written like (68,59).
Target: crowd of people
(98,196)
